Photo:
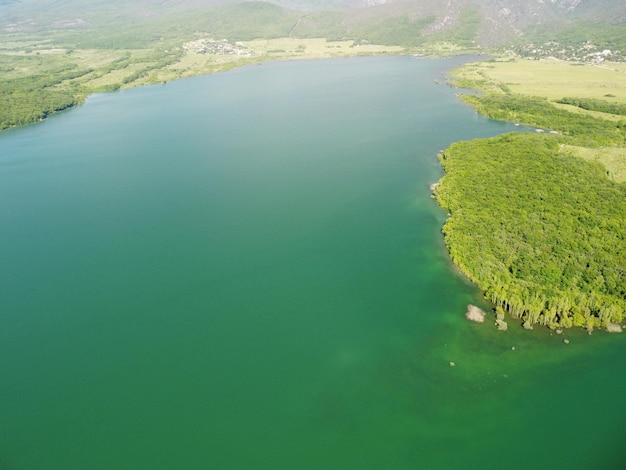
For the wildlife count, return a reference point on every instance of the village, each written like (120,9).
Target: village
(588,53)
(217,47)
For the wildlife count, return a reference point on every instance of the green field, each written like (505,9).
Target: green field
(613,158)
(550,78)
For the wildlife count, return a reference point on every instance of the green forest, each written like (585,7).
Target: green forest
(592,104)
(541,233)
(28,99)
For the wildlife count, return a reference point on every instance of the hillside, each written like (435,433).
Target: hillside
(486,23)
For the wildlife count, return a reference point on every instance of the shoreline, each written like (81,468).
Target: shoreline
(192,64)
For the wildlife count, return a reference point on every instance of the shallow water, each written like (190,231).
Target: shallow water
(246,270)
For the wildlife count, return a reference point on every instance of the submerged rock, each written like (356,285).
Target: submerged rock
(527,325)
(501,324)
(475,314)
(614,328)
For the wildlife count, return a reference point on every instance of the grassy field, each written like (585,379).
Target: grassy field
(550,78)
(315,48)
(613,159)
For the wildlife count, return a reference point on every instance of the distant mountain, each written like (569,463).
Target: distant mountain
(483,23)
(497,21)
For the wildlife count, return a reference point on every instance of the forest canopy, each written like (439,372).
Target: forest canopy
(542,234)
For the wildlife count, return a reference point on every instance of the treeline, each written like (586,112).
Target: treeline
(30,99)
(591,104)
(583,130)
(542,234)
(25,100)
(24,107)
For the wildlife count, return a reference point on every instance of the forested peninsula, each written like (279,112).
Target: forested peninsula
(541,231)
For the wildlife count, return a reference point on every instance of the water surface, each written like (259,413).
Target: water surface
(246,270)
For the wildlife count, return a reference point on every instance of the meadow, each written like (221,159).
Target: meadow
(613,158)
(550,78)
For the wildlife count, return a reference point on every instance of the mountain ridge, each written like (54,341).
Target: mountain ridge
(495,22)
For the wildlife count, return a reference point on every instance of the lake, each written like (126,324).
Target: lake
(246,271)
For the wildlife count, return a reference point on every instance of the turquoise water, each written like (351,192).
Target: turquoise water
(246,271)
